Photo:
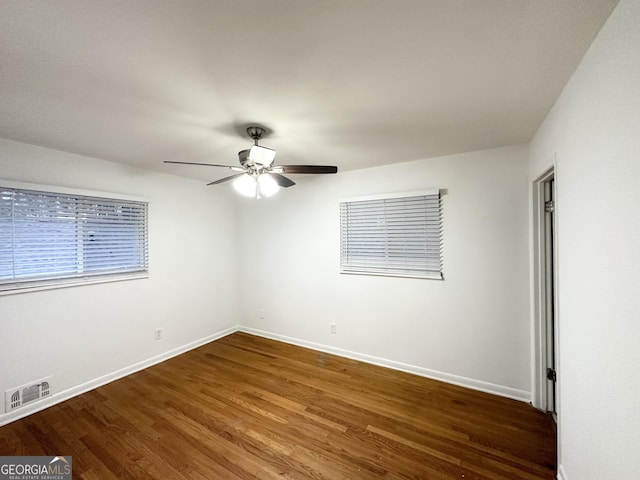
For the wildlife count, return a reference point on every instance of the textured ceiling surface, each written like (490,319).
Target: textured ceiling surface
(353,83)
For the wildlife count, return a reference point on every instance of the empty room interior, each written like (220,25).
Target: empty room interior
(320,239)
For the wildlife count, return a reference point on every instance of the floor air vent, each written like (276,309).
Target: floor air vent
(24,395)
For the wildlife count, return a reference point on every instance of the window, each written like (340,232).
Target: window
(49,238)
(392,235)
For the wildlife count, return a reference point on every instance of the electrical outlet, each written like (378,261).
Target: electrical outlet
(158,334)
(261,314)
(332,328)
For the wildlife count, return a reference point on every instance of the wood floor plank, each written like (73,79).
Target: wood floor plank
(246,407)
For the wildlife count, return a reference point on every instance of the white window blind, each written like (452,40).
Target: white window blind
(48,238)
(399,236)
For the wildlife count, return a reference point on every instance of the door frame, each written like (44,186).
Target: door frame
(541,345)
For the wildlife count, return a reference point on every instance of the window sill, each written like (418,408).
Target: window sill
(435,276)
(36,286)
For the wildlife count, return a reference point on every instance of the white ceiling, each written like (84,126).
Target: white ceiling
(353,83)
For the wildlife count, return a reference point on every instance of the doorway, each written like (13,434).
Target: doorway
(545,293)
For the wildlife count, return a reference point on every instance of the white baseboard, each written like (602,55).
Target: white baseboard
(562,475)
(487,387)
(59,397)
(110,377)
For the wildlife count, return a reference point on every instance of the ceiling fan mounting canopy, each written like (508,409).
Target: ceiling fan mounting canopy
(256,133)
(257,168)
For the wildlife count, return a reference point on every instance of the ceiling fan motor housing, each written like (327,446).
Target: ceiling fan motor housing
(243,155)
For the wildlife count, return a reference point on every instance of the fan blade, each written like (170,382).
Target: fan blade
(226,179)
(282,180)
(308,169)
(232,167)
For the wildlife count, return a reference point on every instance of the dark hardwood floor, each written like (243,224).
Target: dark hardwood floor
(245,407)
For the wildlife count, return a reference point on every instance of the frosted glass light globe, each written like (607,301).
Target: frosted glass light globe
(245,185)
(268,185)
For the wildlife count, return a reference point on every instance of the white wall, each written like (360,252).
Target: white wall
(474,324)
(595,130)
(79,334)
(471,328)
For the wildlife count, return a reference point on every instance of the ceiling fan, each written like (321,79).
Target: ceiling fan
(258,176)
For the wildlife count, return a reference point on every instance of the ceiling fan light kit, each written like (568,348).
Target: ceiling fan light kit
(257,186)
(259,177)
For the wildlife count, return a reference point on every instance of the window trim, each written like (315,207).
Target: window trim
(415,193)
(35,285)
